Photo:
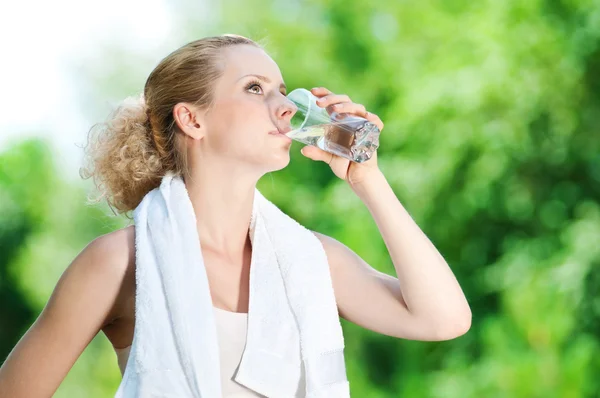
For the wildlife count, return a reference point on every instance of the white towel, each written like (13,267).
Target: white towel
(294,339)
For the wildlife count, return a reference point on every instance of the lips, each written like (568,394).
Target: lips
(281,131)
(281,134)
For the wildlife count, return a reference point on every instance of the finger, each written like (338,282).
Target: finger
(314,153)
(320,91)
(373,118)
(331,99)
(351,108)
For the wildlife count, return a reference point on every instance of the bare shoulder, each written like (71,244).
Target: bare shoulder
(115,245)
(327,241)
(335,250)
(103,267)
(86,298)
(115,254)
(100,270)
(115,250)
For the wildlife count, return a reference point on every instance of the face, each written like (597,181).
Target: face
(249,113)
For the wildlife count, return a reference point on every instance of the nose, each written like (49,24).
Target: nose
(286,110)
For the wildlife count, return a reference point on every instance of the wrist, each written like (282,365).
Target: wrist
(369,183)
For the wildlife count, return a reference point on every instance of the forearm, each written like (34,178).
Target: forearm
(428,286)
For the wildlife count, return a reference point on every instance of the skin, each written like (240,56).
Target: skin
(230,148)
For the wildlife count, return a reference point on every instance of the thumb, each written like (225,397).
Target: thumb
(314,153)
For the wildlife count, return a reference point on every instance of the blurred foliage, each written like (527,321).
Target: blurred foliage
(492,111)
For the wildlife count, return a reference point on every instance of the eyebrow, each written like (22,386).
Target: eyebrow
(264,79)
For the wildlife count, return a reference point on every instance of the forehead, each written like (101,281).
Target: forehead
(244,60)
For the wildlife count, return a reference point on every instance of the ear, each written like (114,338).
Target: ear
(189,119)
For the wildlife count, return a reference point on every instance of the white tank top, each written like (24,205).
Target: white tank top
(231,331)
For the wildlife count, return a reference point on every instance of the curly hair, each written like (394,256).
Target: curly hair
(128,154)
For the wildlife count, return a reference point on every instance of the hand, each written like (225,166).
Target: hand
(352,172)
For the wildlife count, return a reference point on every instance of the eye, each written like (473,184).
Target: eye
(254,87)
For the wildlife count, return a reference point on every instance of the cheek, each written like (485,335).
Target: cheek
(237,123)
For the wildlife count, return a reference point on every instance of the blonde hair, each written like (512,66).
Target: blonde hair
(129,153)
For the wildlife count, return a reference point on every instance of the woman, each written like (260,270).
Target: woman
(213,113)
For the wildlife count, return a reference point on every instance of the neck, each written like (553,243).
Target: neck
(222,201)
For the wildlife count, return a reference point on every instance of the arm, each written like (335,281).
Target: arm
(430,306)
(79,307)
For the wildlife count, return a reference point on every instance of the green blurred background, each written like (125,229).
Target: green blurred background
(492,113)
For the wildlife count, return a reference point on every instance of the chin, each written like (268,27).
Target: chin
(278,161)
(281,162)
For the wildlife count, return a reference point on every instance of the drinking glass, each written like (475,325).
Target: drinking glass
(348,136)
